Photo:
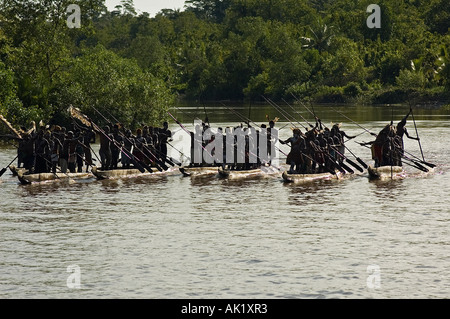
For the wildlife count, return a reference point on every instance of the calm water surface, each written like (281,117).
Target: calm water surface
(176,237)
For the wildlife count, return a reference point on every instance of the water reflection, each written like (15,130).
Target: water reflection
(389,188)
(202,180)
(150,180)
(110,185)
(217,113)
(307,235)
(40,189)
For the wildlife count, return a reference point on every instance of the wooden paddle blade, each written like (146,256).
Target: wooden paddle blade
(161,165)
(339,168)
(10,127)
(137,165)
(150,170)
(329,170)
(421,167)
(145,167)
(348,169)
(355,165)
(362,163)
(428,164)
(175,161)
(169,161)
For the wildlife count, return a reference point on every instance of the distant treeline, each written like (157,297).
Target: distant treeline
(136,66)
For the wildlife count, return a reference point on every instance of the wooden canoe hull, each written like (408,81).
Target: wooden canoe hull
(27,179)
(118,173)
(198,171)
(304,178)
(250,173)
(386,172)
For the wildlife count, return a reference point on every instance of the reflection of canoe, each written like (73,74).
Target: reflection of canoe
(386,172)
(26,179)
(301,178)
(247,173)
(15,170)
(198,171)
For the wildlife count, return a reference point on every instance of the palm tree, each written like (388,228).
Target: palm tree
(320,37)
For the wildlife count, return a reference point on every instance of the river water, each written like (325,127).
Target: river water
(179,237)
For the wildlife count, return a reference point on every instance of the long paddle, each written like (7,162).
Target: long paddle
(206,114)
(187,131)
(186,115)
(4,170)
(161,165)
(181,153)
(279,109)
(360,161)
(359,168)
(373,134)
(77,114)
(423,162)
(166,159)
(346,158)
(304,119)
(417,133)
(280,150)
(248,120)
(333,161)
(417,165)
(341,167)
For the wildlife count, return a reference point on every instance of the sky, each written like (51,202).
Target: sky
(150,6)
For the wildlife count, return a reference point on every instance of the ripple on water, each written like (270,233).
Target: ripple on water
(178,237)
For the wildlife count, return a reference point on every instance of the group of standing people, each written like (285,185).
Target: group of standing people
(321,149)
(120,145)
(246,156)
(56,149)
(51,149)
(388,148)
(317,150)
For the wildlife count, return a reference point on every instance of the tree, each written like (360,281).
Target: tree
(319,36)
(41,44)
(437,16)
(102,80)
(211,10)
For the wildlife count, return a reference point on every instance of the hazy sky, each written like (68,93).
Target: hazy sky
(150,6)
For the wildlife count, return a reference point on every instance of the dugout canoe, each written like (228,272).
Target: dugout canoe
(27,179)
(303,178)
(385,172)
(118,173)
(15,170)
(263,171)
(198,171)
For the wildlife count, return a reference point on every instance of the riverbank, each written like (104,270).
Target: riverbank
(441,101)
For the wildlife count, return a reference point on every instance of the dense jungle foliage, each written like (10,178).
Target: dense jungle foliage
(136,66)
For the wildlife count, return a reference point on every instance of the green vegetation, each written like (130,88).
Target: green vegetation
(134,65)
